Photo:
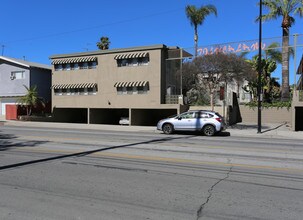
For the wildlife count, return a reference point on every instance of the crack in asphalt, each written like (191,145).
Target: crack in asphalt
(210,191)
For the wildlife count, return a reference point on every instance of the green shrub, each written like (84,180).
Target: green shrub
(270,105)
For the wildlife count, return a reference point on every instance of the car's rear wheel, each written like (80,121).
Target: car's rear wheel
(167,129)
(209,130)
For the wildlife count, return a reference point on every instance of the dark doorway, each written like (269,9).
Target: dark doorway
(299,119)
(70,115)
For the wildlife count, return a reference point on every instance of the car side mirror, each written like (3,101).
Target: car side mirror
(179,118)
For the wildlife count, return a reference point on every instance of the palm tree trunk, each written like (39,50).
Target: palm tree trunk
(27,110)
(196,41)
(285,66)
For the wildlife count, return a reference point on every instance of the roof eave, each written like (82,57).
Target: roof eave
(111,51)
(14,61)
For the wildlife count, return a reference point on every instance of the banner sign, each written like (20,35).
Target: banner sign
(237,48)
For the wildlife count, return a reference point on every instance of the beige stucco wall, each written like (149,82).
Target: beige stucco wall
(269,115)
(106,75)
(250,115)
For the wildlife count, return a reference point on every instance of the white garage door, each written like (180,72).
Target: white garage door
(6,102)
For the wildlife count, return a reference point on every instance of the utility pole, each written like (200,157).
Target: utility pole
(181,71)
(259,69)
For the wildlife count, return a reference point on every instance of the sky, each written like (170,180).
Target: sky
(34,30)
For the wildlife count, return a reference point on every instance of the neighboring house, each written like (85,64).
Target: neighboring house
(15,73)
(101,87)
(229,89)
(297,102)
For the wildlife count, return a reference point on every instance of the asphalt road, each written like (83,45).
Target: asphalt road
(48,173)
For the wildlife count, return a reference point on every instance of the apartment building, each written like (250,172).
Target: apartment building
(101,87)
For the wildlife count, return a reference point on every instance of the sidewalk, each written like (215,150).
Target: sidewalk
(241,129)
(282,131)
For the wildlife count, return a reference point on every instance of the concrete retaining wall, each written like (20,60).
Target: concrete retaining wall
(250,115)
(269,115)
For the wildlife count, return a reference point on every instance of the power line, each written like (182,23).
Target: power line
(94,27)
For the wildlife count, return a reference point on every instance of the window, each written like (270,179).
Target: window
(58,67)
(72,91)
(119,90)
(74,66)
(134,62)
(124,92)
(81,91)
(83,65)
(17,75)
(67,66)
(58,91)
(129,90)
(142,89)
(206,115)
(92,65)
(75,63)
(76,91)
(188,115)
(135,90)
(92,91)
(142,61)
(132,90)
(63,66)
(122,62)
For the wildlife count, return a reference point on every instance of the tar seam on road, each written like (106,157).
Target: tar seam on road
(200,210)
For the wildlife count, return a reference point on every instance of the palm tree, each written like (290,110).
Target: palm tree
(30,99)
(104,43)
(197,16)
(284,9)
(274,53)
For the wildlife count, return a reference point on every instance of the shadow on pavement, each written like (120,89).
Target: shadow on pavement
(85,153)
(247,127)
(265,128)
(6,142)
(275,128)
(199,133)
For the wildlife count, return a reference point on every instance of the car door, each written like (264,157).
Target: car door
(204,118)
(185,121)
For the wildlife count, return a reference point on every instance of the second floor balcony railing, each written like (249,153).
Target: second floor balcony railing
(171,99)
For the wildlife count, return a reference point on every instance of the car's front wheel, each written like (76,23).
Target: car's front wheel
(209,130)
(167,129)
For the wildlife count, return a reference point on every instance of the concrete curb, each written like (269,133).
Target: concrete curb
(281,131)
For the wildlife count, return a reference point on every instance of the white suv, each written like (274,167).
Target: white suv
(208,122)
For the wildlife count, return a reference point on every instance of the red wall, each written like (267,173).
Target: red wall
(11,112)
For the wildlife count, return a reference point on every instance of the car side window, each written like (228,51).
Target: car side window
(188,115)
(201,115)
(204,115)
